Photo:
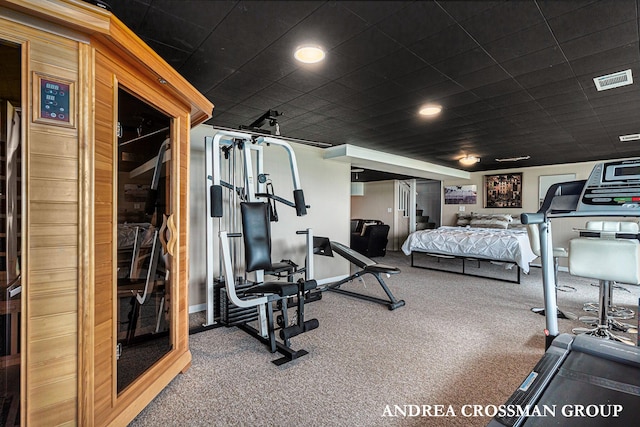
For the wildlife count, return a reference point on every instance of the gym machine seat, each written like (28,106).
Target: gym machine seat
(610,257)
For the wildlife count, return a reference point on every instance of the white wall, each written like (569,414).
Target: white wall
(562,228)
(378,203)
(326,186)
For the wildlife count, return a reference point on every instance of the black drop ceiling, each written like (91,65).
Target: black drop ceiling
(515,78)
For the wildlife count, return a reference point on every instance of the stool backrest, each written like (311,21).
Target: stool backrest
(608,229)
(607,257)
(534,238)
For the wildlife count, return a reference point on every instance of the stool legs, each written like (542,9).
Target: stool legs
(561,314)
(604,323)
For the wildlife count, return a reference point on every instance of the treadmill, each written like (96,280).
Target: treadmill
(581,380)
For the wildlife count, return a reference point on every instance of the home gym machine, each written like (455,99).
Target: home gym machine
(588,379)
(240,301)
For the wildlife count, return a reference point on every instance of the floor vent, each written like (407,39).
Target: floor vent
(614,80)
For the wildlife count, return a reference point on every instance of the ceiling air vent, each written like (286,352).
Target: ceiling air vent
(614,80)
(630,137)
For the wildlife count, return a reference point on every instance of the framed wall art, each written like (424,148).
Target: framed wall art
(460,194)
(503,190)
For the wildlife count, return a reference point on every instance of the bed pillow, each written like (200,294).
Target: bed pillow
(364,227)
(464,219)
(491,220)
(516,224)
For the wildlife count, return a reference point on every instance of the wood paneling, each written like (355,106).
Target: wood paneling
(103,334)
(51,202)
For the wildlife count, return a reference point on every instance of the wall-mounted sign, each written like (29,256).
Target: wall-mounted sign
(55,100)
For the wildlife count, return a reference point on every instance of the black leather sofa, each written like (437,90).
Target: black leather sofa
(369,237)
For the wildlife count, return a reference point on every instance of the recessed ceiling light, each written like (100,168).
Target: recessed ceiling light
(430,110)
(309,54)
(469,160)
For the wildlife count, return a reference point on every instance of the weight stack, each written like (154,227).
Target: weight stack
(228,313)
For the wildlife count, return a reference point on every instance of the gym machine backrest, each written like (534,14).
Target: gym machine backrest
(613,189)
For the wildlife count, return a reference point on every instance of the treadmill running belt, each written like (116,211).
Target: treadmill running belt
(596,383)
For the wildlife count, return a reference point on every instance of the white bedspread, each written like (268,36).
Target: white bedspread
(486,243)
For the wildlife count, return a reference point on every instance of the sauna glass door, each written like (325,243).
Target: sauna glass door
(144,237)
(11,284)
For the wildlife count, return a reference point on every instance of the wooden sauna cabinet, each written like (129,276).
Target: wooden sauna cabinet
(83,62)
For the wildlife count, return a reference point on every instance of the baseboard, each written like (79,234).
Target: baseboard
(197,308)
(331,279)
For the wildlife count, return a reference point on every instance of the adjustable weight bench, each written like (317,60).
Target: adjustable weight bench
(368,266)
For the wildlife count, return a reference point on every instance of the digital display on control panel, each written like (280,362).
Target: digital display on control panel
(54,101)
(627,171)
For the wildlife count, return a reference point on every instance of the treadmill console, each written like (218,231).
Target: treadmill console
(613,187)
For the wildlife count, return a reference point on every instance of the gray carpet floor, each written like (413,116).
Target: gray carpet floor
(458,341)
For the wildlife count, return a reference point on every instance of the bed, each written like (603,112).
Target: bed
(507,248)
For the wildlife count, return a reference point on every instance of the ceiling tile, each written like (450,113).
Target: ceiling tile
(617,59)
(416,21)
(367,47)
(424,77)
(480,78)
(545,76)
(191,12)
(328,25)
(553,8)
(500,21)
(444,44)
(592,18)
(361,79)
(510,100)
(373,12)
(466,9)
(500,88)
(464,63)
(280,93)
(532,62)
(132,12)
(521,43)
(396,64)
(555,88)
(601,41)
(333,91)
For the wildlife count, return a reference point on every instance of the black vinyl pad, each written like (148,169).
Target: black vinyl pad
(257,236)
(282,289)
(382,268)
(362,261)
